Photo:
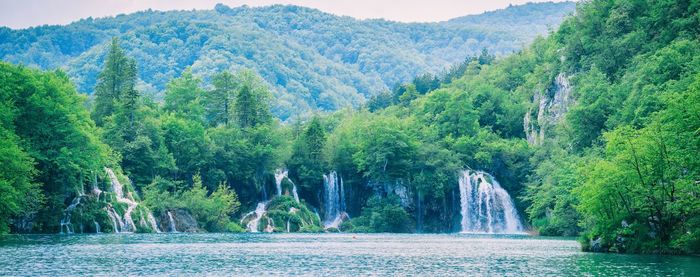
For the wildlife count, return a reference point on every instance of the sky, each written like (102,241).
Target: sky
(26,13)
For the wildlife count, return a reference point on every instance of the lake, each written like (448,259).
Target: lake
(320,254)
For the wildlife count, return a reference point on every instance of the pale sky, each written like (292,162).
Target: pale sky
(27,13)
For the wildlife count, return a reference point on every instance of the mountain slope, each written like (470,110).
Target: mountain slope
(313,60)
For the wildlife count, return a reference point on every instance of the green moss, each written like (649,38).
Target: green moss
(233,227)
(284,210)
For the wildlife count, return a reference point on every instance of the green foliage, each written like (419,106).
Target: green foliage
(183,96)
(307,163)
(387,149)
(285,213)
(115,84)
(615,161)
(212,210)
(48,140)
(19,196)
(380,215)
(219,101)
(251,107)
(313,60)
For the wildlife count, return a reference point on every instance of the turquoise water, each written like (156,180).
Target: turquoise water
(319,254)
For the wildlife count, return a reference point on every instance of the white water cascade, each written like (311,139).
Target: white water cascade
(128,223)
(66,219)
(117,222)
(152,222)
(173,228)
(485,206)
(257,214)
(334,201)
(97,227)
(280,175)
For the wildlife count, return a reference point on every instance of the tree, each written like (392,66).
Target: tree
(115,84)
(48,140)
(308,164)
(219,101)
(183,96)
(252,107)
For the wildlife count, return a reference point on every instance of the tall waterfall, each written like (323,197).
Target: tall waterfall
(128,223)
(66,219)
(173,229)
(485,206)
(280,175)
(257,214)
(334,201)
(152,222)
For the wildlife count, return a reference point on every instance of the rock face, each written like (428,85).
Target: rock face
(596,245)
(549,108)
(184,221)
(396,187)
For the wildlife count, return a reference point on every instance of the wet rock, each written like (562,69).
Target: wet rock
(596,245)
(184,221)
(549,108)
(396,187)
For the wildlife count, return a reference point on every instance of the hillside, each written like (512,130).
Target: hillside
(589,132)
(312,60)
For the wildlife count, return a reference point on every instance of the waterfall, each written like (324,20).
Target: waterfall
(257,214)
(280,175)
(97,227)
(270,226)
(173,229)
(95,189)
(128,223)
(152,222)
(334,201)
(117,223)
(66,219)
(485,206)
(294,191)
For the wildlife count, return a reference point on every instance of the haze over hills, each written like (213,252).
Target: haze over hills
(313,60)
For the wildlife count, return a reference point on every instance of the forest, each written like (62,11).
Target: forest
(594,130)
(312,60)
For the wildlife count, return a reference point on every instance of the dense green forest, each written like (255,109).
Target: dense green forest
(313,60)
(593,130)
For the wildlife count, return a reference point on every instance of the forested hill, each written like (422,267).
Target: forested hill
(312,59)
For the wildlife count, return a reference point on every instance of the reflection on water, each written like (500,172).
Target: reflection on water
(319,254)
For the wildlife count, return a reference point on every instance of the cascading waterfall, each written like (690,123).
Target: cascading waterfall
(95,189)
(152,222)
(280,175)
(257,214)
(97,227)
(294,191)
(173,228)
(117,222)
(128,223)
(66,219)
(334,201)
(485,206)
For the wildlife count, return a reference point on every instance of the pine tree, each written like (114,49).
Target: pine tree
(252,101)
(218,102)
(116,81)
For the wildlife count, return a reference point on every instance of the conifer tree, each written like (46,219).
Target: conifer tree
(116,81)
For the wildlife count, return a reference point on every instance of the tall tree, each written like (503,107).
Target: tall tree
(307,164)
(183,96)
(252,100)
(219,101)
(115,83)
